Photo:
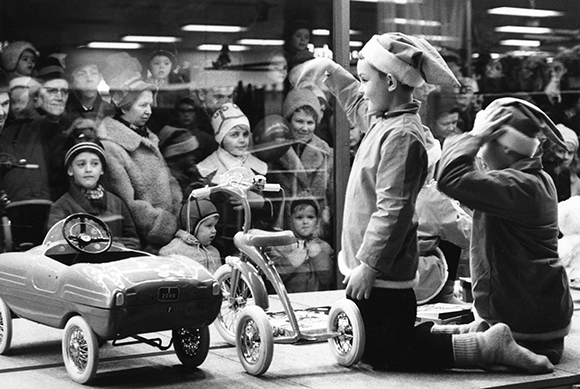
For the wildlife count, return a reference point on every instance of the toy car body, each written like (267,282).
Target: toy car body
(118,292)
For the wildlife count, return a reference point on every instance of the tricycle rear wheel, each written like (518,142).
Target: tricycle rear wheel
(345,318)
(191,345)
(254,340)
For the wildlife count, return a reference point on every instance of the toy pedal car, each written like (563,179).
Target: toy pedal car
(96,290)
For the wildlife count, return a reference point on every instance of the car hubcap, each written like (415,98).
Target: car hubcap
(78,349)
(344,327)
(251,342)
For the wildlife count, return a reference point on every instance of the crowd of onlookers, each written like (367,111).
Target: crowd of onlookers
(127,141)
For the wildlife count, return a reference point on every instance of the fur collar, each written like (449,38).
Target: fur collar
(116,132)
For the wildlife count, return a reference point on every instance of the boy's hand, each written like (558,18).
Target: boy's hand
(311,71)
(488,123)
(360,282)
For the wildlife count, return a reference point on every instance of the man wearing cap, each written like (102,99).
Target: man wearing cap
(83,72)
(379,256)
(40,141)
(516,273)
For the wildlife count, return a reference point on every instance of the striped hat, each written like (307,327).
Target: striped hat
(226,118)
(84,145)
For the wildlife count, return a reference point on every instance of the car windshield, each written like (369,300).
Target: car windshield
(55,233)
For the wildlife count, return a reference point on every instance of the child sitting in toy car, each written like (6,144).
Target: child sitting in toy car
(85,162)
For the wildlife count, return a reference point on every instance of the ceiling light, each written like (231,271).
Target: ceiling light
(524,30)
(151,39)
(356,44)
(530,12)
(210,47)
(212,28)
(261,42)
(414,22)
(114,45)
(520,42)
(439,38)
(321,32)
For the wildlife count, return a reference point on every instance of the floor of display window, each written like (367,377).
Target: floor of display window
(35,361)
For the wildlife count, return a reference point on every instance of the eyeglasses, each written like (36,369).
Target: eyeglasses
(55,91)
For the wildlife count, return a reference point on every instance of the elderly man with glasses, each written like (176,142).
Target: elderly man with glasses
(42,141)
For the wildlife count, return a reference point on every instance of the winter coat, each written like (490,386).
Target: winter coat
(186,244)
(389,169)
(138,174)
(517,276)
(113,212)
(304,266)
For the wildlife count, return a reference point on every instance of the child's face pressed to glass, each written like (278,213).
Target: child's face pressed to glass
(160,67)
(237,141)
(86,170)
(304,220)
(300,39)
(206,231)
(303,125)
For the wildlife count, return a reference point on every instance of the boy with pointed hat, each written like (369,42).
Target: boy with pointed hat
(516,272)
(379,254)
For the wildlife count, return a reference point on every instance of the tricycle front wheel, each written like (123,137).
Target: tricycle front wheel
(254,340)
(245,294)
(191,345)
(80,350)
(345,319)
(5,327)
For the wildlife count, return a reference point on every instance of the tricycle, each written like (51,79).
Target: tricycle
(96,290)
(244,319)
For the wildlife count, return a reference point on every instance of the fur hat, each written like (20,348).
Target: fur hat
(49,68)
(411,60)
(199,211)
(123,75)
(300,97)
(226,118)
(128,92)
(78,58)
(523,127)
(569,136)
(10,55)
(175,141)
(85,144)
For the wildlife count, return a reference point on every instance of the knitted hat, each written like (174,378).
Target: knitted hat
(175,141)
(84,144)
(226,118)
(49,68)
(411,60)
(300,97)
(199,211)
(569,136)
(522,128)
(128,92)
(78,58)
(10,55)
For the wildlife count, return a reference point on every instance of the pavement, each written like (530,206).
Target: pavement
(35,361)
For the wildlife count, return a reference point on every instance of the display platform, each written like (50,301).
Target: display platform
(35,361)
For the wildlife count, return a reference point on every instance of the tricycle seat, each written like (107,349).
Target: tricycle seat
(261,238)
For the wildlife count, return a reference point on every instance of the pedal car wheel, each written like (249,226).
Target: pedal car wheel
(255,340)
(232,303)
(348,346)
(191,345)
(80,350)
(5,327)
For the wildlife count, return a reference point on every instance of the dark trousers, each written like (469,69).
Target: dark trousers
(393,342)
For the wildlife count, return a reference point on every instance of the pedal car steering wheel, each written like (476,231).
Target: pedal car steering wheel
(87,233)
